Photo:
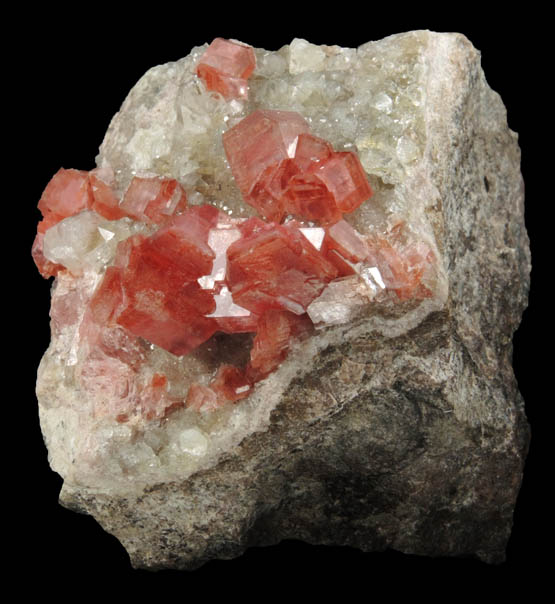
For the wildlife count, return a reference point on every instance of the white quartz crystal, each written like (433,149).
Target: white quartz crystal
(87,241)
(193,441)
(304,56)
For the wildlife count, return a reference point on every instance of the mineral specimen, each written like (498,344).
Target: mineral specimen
(285,279)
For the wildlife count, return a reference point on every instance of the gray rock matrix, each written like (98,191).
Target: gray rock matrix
(415,441)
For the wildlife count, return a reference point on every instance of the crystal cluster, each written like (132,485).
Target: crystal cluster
(232,229)
(200,272)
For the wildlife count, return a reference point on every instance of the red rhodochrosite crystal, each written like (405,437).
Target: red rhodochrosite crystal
(163,301)
(280,168)
(261,141)
(66,194)
(401,268)
(271,344)
(226,66)
(153,200)
(341,237)
(344,177)
(231,383)
(104,201)
(275,266)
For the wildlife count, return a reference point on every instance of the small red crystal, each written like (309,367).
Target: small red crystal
(271,343)
(231,383)
(152,403)
(66,194)
(307,197)
(153,200)
(310,150)
(107,300)
(347,241)
(104,201)
(343,175)
(401,268)
(226,66)
(200,397)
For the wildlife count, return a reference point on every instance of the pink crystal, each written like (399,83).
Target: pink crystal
(200,397)
(225,68)
(231,383)
(109,382)
(311,150)
(307,196)
(280,168)
(401,267)
(344,177)
(271,344)
(104,201)
(260,141)
(347,241)
(153,200)
(163,303)
(275,266)
(66,194)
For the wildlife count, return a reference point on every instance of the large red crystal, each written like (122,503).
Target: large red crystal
(163,301)
(275,266)
(280,169)
(226,66)
(261,141)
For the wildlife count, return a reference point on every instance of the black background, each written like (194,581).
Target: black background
(71,71)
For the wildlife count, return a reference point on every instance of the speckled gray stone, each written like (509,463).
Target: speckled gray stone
(415,442)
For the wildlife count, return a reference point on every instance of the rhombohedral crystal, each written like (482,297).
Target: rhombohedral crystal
(292,277)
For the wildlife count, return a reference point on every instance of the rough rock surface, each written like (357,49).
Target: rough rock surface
(400,430)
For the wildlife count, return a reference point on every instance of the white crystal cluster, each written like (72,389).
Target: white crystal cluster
(368,100)
(86,241)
